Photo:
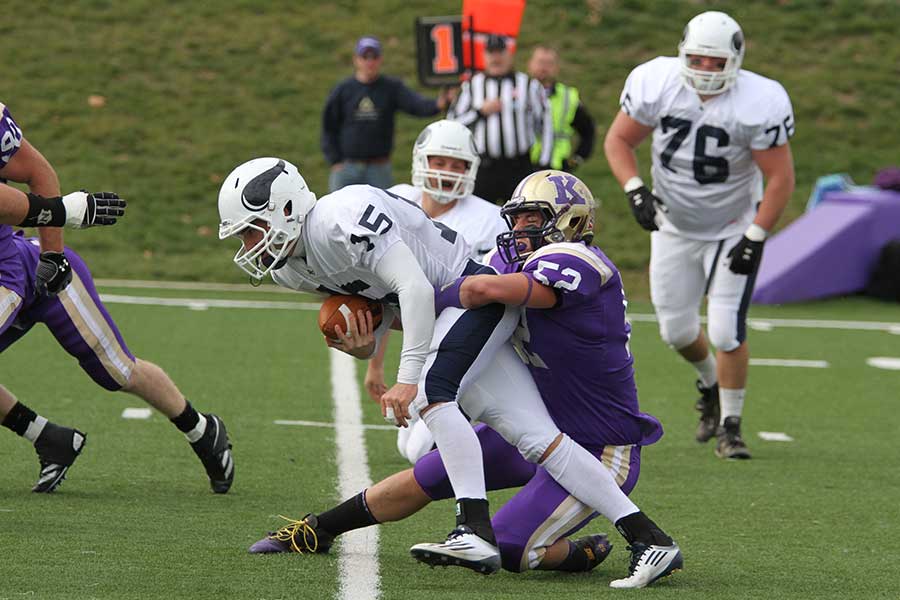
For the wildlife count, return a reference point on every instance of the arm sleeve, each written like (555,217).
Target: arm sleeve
(331,126)
(401,272)
(584,125)
(410,102)
(463,110)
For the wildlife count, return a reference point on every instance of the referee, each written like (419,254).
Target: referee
(506,111)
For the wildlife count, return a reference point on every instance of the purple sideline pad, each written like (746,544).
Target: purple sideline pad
(831,250)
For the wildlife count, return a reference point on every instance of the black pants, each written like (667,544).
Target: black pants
(498,177)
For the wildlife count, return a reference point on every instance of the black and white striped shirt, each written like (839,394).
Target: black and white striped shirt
(511,132)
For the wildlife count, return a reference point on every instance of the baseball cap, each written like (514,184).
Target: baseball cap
(495,43)
(368,43)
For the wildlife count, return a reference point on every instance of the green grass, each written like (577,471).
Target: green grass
(193,89)
(810,519)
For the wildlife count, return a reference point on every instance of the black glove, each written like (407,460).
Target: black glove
(84,209)
(53,274)
(745,256)
(103,208)
(642,206)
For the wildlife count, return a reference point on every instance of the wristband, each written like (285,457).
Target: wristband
(755,233)
(448,296)
(44,212)
(633,184)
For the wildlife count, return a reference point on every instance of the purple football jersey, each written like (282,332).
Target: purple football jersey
(578,351)
(10,142)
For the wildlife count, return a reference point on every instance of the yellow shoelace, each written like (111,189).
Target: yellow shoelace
(289,532)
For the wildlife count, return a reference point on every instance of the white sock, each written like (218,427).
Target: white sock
(199,429)
(35,428)
(731,403)
(585,477)
(706,370)
(460,450)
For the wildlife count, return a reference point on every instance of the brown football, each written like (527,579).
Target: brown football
(335,309)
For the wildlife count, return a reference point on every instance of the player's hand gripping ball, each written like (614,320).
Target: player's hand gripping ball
(336,310)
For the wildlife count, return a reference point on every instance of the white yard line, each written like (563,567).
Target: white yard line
(201,303)
(321,424)
(789,362)
(358,560)
(190,285)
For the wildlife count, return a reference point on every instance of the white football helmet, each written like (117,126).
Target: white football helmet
(716,34)
(445,138)
(269,196)
(566,203)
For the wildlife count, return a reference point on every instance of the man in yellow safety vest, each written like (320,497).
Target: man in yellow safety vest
(569,115)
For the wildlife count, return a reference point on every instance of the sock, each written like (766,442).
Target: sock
(347,516)
(731,403)
(25,422)
(637,527)
(706,370)
(576,562)
(585,477)
(460,450)
(191,423)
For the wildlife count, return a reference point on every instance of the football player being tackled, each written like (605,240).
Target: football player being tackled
(61,295)
(573,336)
(717,131)
(444,166)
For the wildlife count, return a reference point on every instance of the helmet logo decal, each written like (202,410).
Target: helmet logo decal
(565,189)
(256,193)
(737,41)
(423,137)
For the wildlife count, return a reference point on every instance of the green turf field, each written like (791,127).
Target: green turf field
(813,518)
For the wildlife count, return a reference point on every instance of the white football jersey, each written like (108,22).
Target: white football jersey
(474,218)
(347,233)
(703,170)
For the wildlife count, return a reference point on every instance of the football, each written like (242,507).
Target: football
(335,310)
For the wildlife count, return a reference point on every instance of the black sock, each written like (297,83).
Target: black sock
(475,514)
(638,527)
(19,418)
(187,420)
(576,562)
(351,514)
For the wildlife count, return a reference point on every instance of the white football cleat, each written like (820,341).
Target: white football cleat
(649,563)
(461,549)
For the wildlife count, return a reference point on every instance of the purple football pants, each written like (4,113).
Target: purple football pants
(542,511)
(76,317)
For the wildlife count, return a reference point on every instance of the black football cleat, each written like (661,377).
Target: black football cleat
(57,448)
(708,407)
(730,443)
(596,547)
(214,451)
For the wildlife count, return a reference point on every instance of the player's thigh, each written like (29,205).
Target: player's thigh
(728,300)
(506,398)
(538,515)
(81,324)
(463,345)
(677,277)
(10,307)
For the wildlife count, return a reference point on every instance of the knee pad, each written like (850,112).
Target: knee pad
(679,331)
(723,330)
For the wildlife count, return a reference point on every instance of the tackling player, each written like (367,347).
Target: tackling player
(444,166)
(717,131)
(63,297)
(574,337)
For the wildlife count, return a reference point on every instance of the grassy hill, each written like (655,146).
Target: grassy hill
(193,89)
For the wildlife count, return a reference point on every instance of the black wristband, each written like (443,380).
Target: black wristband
(44,212)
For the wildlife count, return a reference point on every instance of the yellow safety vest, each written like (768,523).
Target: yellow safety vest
(563,104)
